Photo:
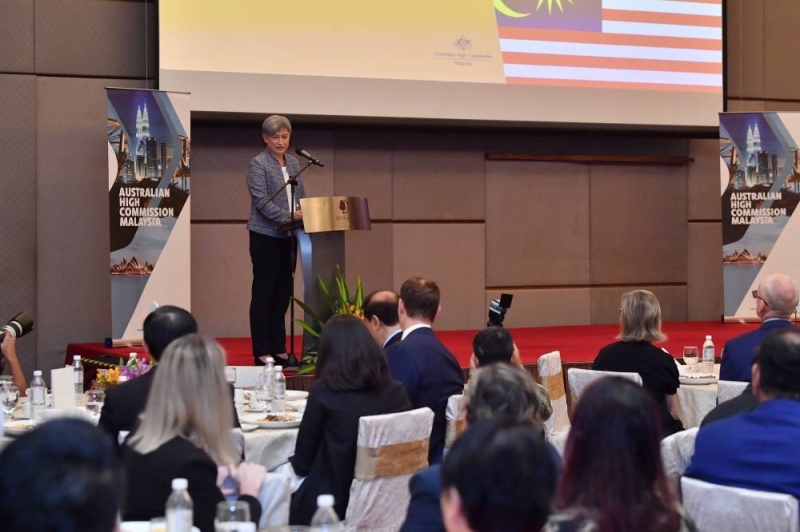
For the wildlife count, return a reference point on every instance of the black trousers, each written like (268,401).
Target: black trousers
(272,289)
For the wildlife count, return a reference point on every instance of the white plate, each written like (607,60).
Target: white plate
(698,378)
(295,394)
(257,419)
(141,526)
(18,428)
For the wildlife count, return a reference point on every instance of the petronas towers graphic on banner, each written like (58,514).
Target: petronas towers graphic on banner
(760,181)
(149,186)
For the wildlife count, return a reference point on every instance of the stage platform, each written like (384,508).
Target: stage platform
(577,344)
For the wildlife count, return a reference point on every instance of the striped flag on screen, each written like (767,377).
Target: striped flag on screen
(637,44)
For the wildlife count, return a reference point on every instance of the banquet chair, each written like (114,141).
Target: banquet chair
(713,507)
(727,390)
(275,497)
(552,376)
(558,440)
(246,376)
(391,447)
(579,379)
(455,421)
(677,451)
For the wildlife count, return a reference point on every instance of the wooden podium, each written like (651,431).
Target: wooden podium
(321,243)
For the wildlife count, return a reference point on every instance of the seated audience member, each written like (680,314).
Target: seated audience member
(352,381)
(494,344)
(613,475)
(741,404)
(498,477)
(61,477)
(759,450)
(427,369)
(640,324)
(495,391)
(9,351)
(776,301)
(185,432)
(380,315)
(124,402)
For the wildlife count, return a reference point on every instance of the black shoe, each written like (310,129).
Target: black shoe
(289,362)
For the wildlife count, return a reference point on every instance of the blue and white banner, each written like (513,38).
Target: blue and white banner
(149,210)
(760,181)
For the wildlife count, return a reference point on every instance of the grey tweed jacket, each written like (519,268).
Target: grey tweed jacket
(264,178)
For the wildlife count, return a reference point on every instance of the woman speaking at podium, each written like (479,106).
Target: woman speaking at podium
(270,245)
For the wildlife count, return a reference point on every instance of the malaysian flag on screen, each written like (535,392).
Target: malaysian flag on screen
(629,44)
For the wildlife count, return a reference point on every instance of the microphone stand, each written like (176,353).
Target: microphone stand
(292,183)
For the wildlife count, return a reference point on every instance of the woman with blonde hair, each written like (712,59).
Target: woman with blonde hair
(185,432)
(640,326)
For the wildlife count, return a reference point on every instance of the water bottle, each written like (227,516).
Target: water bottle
(279,397)
(325,518)
(179,507)
(78,376)
(37,396)
(708,355)
(266,385)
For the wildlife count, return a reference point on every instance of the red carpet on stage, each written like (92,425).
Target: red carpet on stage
(577,343)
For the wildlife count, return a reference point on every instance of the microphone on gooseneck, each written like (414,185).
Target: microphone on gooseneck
(310,158)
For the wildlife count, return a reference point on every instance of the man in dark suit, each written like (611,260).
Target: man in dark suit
(759,450)
(127,400)
(380,316)
(427,369)
(776,301)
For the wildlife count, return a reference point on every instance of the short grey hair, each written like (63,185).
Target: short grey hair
(503,390)
(273,124)
(780,293)
(640,317)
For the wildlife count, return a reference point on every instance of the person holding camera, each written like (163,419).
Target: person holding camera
(9,358)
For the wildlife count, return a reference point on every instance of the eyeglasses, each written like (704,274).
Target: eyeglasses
(755,295)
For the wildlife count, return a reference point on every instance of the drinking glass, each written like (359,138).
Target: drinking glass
(94,402)
(690,356)
(233,516)
(158,524)
(9,395)
(6,380)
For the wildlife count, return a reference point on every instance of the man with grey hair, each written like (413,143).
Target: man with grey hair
(776,301)
(270,243)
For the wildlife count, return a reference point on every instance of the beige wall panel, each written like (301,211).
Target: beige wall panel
(545,308)
(18,206)
(782,106)
(537,224)
(704,180)
(745,49)
(638,224)
(745,106)
(438,176)
(452,255)
(220,155)
(16,36)
(705,271)
(781,42)
(605,302)
(369,254)
(364,169)
(91,38)
(74,292)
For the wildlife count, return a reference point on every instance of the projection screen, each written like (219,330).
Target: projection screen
(629,62)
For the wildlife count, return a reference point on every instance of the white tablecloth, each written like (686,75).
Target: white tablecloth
(695,401)
(269,447)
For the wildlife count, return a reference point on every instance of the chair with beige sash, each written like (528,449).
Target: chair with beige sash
(579,379)
(455,421)
(727,390)
(677,451)
(391,447)
(552,377)
(275,497)
(246,376)
(713,507)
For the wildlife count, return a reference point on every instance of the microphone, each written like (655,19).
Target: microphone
(313,160)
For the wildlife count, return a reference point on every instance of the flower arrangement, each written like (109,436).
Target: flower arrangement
(340,301)
(112,374)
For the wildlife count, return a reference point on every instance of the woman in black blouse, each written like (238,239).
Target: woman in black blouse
(352,381)
(640,326)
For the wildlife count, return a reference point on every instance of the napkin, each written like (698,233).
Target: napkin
(63,386)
